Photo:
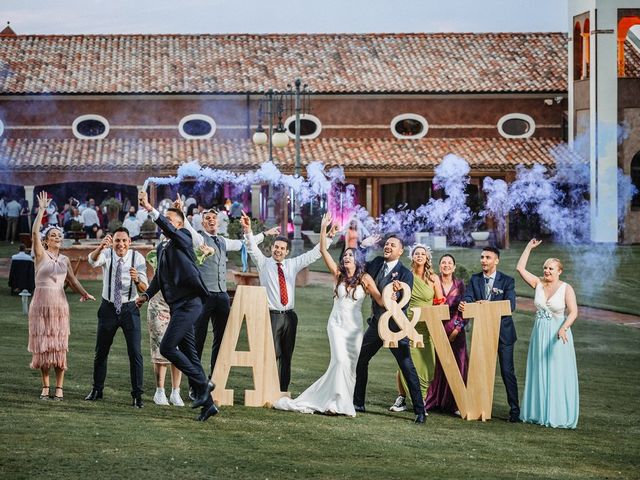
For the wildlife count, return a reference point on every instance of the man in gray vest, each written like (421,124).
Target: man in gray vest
(214,273)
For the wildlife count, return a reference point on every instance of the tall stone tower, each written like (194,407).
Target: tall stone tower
(600,93)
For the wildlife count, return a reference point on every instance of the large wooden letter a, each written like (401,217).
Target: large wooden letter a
(250,305)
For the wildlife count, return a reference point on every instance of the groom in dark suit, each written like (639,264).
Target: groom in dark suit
(489,285)
(178,277)
(385,270)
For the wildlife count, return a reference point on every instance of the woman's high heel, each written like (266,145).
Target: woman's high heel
(58,398)
(42,395)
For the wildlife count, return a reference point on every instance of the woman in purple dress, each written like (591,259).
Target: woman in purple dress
(439,395)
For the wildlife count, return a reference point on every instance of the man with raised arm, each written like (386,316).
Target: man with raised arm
(214,274)
(178,277)
(278,274)
(124,275)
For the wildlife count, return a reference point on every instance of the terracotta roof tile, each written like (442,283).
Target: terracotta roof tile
(632,61)
(329,63)
(355,155)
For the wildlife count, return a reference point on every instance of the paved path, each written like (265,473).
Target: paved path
(524,304)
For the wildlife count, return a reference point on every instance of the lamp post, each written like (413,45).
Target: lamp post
(297,245)
(260,138)
(275,103)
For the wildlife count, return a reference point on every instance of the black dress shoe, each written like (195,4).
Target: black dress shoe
(420,418)
(514,418)
(137,402)
(204,397)
(93,395)
(207,412)
(359,408)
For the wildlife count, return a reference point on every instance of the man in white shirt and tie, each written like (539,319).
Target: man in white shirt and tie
(123,277)
(278,275)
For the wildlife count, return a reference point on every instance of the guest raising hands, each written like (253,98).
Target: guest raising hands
(551,396)
(49,310)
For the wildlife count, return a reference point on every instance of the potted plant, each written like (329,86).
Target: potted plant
(148,230)
(113,207)
(76,232)
(481,234)
(114,225)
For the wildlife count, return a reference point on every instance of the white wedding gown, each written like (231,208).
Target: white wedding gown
(333,392)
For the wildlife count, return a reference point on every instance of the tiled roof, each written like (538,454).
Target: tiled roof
(355,155)
(329,63)
(631,61)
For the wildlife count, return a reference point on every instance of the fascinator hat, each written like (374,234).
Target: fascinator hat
(45,232)
(420,245)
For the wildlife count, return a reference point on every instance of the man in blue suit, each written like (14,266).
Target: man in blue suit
(490,285)
(178,277)
(385,270)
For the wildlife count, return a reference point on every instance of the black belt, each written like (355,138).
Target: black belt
(281,312)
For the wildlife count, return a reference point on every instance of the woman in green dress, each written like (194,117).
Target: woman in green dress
(426,291)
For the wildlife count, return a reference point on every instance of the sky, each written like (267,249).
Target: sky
(252,16)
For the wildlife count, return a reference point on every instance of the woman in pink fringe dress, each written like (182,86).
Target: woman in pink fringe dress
(49,310)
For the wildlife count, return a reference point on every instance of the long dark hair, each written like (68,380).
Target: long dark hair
(453,275)
(353,281)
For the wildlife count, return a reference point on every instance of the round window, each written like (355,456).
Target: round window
(310,126)
(516,125)
(197,126)
(90,127)
(409,126)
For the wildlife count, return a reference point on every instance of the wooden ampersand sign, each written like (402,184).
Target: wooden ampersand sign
(250,305)
(475,399)
(394,310)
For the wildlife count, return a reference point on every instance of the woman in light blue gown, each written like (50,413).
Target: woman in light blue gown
(551,395)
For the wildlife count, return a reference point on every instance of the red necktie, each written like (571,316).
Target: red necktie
(284,297)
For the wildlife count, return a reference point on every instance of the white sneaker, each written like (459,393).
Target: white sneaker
(160,398)
(400,405)
(175,398)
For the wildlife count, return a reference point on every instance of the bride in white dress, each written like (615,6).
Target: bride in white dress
(333,392)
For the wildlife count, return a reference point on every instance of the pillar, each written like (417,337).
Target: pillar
(255,200)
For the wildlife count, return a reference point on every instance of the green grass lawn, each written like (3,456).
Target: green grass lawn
(109,439)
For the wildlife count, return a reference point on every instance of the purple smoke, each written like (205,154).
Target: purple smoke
(318,182)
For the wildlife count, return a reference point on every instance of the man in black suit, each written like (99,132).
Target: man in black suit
(385,270)
(489,285)
(178,277)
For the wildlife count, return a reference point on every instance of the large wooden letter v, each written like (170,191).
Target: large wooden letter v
(250,305)
(474,400)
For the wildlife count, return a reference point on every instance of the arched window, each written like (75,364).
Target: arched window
(409,126)
(310,126)
(624,25)
(577,51)
(635,179)
(516,125)
(197,126)
(90,127)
